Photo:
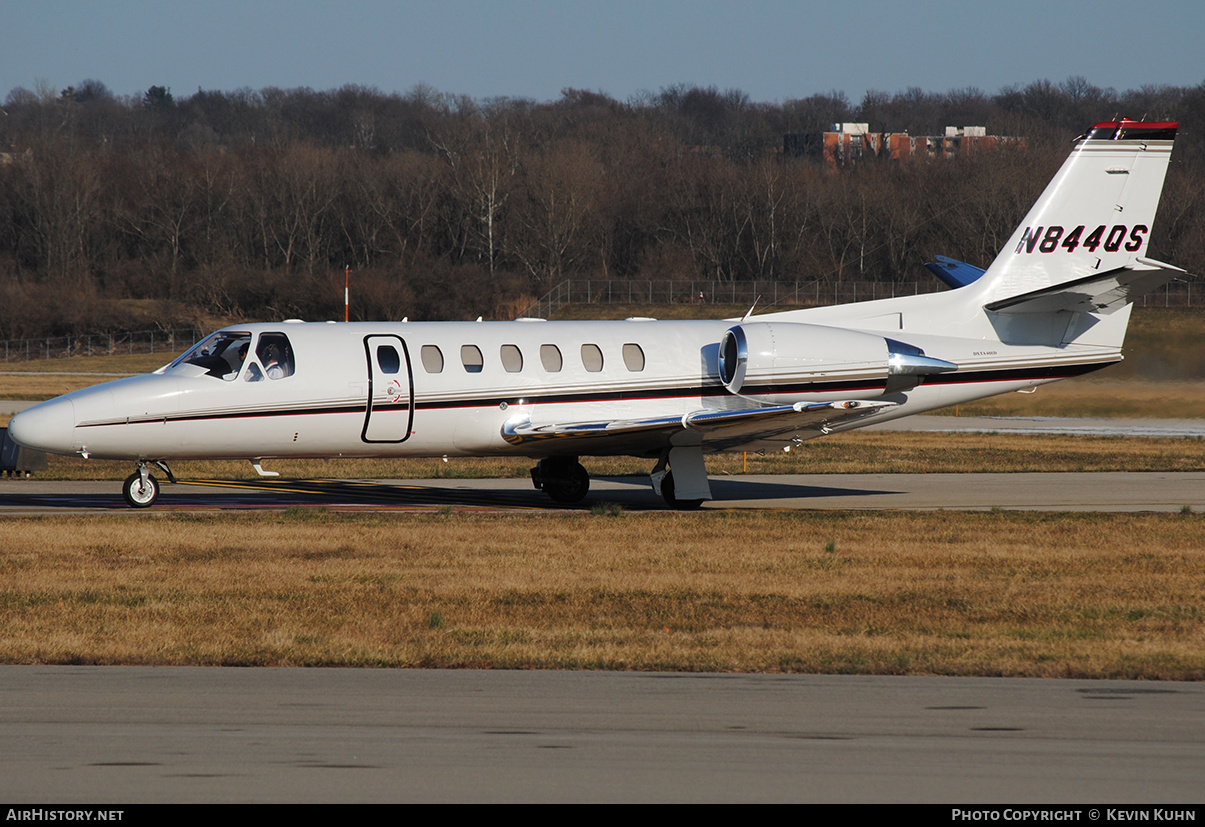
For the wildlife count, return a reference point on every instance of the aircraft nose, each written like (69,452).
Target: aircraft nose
(47,427)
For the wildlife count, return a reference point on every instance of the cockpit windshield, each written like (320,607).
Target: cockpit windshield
(221,355)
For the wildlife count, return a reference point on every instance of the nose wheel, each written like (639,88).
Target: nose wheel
(140,488)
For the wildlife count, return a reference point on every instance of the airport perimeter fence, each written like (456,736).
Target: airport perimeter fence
(766,293)
(168,342)
(770,294)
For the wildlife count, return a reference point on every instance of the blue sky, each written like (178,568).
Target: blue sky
(771,50)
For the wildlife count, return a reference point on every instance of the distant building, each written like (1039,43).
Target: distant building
(848,143)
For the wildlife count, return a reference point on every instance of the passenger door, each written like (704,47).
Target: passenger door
(389,416)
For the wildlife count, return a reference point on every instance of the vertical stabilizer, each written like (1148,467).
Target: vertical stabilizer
(1094,217)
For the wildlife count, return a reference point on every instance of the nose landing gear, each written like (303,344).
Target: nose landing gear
(140,489)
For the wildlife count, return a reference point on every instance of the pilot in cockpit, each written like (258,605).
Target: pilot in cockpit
(273,363)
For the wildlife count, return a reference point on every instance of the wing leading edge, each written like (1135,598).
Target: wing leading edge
(712,429)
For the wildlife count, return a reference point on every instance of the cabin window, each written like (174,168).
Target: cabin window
(470,357)
(550,358)
(633,357)
(592,358)
(388,359)
(221,355)
(275,355)
(433,359)
(512,358)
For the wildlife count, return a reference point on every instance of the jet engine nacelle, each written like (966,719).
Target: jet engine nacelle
(763,358)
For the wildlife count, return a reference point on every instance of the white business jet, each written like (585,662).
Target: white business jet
(1054,303)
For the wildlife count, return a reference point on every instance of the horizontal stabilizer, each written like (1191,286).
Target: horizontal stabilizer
(954,273)
(713,428)
(1102,293)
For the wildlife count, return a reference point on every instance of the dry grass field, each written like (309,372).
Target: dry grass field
(1052,595)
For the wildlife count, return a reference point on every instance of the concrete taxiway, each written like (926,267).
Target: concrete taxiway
(146,734)
(1120,491)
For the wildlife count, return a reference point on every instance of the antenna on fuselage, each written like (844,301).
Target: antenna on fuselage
(749,313)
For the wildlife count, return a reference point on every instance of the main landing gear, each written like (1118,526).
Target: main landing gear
(684,488)
(140,489)
(690,488)
(562,478)
(670,496)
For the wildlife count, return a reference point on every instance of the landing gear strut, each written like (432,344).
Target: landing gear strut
(140,489)
(561,478)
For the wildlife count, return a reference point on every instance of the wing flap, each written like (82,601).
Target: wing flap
(713,429)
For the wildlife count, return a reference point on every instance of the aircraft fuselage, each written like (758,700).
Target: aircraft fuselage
(453,388)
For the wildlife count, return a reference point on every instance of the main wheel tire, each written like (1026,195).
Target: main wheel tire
(570,489)
(667,492)
(138,495)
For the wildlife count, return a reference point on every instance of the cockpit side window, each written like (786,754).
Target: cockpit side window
(221,355)
(275,354)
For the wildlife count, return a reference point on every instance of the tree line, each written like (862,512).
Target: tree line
(116,212)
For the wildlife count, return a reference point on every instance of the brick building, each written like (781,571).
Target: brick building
(850,142)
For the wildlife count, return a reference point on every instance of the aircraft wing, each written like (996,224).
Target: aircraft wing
(715,430)
(1100,293)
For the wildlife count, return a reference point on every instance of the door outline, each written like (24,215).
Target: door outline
(388,420)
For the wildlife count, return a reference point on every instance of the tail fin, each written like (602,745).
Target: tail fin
(1080,246)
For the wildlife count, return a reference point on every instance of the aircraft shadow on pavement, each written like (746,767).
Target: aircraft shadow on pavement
(632,493)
